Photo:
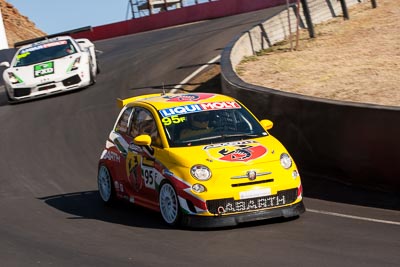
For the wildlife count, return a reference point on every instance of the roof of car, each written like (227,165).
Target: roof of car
(162,101)
(54,39)
(47,37)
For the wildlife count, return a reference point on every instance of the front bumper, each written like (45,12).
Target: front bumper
(235,219)
(52,87)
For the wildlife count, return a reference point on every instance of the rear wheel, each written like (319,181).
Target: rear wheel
(92,74)
(169,204)
(97,67)
(105,185)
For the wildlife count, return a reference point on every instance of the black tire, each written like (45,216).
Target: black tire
(92,75)
(98,68)
(105,185)
(169,205)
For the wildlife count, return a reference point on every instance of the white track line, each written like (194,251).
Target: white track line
(353,217)
(179,86)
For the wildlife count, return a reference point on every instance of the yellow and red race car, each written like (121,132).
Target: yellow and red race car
(201,159)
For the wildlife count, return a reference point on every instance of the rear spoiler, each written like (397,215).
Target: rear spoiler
(123,102)
(70,32)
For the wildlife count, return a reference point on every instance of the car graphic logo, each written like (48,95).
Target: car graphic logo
(189,97)
(241,151)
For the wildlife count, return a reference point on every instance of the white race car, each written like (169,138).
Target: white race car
(50,66)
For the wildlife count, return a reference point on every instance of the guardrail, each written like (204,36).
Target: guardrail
(211,10)
(357,144)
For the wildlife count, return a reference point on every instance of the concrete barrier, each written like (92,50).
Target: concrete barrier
(357,144)
(210,10)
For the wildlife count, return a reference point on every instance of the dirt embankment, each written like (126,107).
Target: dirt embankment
(18,27)
(355,60)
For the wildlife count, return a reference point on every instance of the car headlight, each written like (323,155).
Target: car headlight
(200,172)
(76,63)
(13,78)
(286,161)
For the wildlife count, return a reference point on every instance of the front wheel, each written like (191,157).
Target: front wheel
(169,204)
(105,185)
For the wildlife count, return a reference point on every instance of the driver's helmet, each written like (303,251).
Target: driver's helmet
(147,123)
(200,120)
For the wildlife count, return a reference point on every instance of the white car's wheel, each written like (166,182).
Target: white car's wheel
(169,204)
(105,184)
(92,74)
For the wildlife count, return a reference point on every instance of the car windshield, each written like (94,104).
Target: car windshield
(214,126)
(44,52)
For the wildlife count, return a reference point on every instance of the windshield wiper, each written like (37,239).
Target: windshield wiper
(240,135)
(221,136)
(201,139)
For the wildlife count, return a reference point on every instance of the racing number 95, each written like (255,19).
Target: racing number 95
(172,120)
(149,177)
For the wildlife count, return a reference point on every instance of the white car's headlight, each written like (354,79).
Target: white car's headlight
(286,161)
(200,172)
(76,63)
(13,78)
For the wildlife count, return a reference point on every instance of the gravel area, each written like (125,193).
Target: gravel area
(356,60)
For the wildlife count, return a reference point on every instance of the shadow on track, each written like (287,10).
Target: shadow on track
(333,190)
(87,205)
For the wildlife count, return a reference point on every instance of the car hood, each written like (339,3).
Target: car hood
(42,72)
(229,154)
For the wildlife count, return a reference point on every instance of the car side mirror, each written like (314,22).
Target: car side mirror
(142,140)
(5,64)
(267,124)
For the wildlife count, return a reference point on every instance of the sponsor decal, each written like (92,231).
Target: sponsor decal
(111,155)
(135,148)
(43,69)
(180,110)
(43,46)
(255,193)
(173,120)
(253,204)
(220,105)
(116,185)
(133,170)
(189,97)
(151,176)
(241,151)
(119,187)
(62,42)
(141,169)
(186,109)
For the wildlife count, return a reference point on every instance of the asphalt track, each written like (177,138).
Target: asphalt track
(50,212)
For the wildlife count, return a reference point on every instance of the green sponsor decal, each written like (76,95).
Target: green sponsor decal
(44,69)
